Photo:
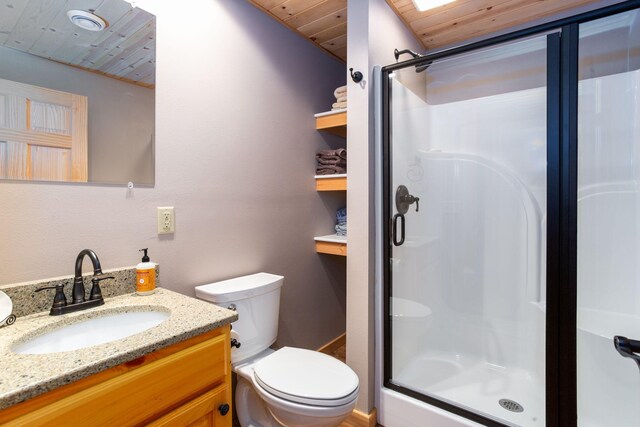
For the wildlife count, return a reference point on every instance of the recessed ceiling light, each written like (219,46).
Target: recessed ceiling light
(423,5)
(86,20)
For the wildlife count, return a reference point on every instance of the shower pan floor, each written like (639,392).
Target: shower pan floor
(476,385)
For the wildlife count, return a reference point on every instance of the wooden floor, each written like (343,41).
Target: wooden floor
(340,353)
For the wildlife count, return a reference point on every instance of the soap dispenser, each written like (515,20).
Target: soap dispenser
(145,275)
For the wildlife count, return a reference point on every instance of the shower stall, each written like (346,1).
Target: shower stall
(510,224)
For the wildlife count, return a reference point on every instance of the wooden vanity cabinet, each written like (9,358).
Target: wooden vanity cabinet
(203,411)
(188,383)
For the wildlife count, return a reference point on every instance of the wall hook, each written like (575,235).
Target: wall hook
(357,76)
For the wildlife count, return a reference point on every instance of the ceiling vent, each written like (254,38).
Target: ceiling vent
(86,20)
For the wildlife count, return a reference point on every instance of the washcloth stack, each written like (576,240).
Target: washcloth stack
(341,217)
(331,162)
(341,98)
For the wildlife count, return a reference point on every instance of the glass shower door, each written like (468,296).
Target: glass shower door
(467,204)
(608,259)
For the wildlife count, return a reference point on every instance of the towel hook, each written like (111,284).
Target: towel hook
(357,76)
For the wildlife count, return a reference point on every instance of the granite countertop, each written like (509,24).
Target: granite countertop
(24,376)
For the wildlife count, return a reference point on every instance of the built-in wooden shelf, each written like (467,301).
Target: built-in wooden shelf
(337,182)
(336,123)
(333,121)
(331,244)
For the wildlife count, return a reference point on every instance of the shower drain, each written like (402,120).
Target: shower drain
(511,405)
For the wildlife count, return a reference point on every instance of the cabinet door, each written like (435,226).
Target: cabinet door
(43,133)
(203,411)
(138,394)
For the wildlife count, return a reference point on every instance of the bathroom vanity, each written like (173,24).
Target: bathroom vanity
(175,373)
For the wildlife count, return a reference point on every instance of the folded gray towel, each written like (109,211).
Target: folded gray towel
(330,170)
(331,161)
(340,152)
(337,161)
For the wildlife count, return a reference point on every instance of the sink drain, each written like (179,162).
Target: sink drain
(511,405)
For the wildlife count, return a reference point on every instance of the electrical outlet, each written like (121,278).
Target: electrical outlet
(166,220)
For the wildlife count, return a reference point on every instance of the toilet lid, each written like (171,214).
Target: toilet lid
(307,377)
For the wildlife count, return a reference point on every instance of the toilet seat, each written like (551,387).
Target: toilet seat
(306,377)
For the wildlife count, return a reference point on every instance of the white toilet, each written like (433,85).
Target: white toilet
(289,387)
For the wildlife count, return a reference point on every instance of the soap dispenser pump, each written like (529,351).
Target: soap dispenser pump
(145,275)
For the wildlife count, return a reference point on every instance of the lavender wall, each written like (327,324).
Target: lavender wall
(235,142)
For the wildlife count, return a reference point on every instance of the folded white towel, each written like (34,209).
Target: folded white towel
(342,90)
(342,99)
(338,105)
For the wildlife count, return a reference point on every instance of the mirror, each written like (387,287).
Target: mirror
(77,91)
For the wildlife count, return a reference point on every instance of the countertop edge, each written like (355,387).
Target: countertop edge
(103,365)
(46,384)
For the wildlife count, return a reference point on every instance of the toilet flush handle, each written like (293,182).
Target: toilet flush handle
(235,343)
(232,307)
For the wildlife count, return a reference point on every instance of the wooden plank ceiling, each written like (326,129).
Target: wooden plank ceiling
(462,20)
(125,50)
(324,22)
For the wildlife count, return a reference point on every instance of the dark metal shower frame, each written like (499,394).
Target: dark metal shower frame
(562,185)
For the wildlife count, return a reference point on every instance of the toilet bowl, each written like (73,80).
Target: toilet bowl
(294,387)
(290,387)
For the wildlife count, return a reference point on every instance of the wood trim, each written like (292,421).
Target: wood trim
(28,113)
(331,120)
(34,92)
(331,248)
(331,184)
(42,139)
(228,382)
(356,418)
(60,393)
(333,345)
(360,419)
(80,139)
(333,123)
(28,166)
(145,85)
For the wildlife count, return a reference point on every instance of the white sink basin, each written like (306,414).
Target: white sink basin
(93,331)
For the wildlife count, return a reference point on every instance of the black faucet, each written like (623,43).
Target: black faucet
(78,284)
(78,301)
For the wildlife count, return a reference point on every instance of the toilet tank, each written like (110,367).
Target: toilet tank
(257,299)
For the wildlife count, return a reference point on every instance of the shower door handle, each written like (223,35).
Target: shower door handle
(627,348)
(394,229)
(404,200)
